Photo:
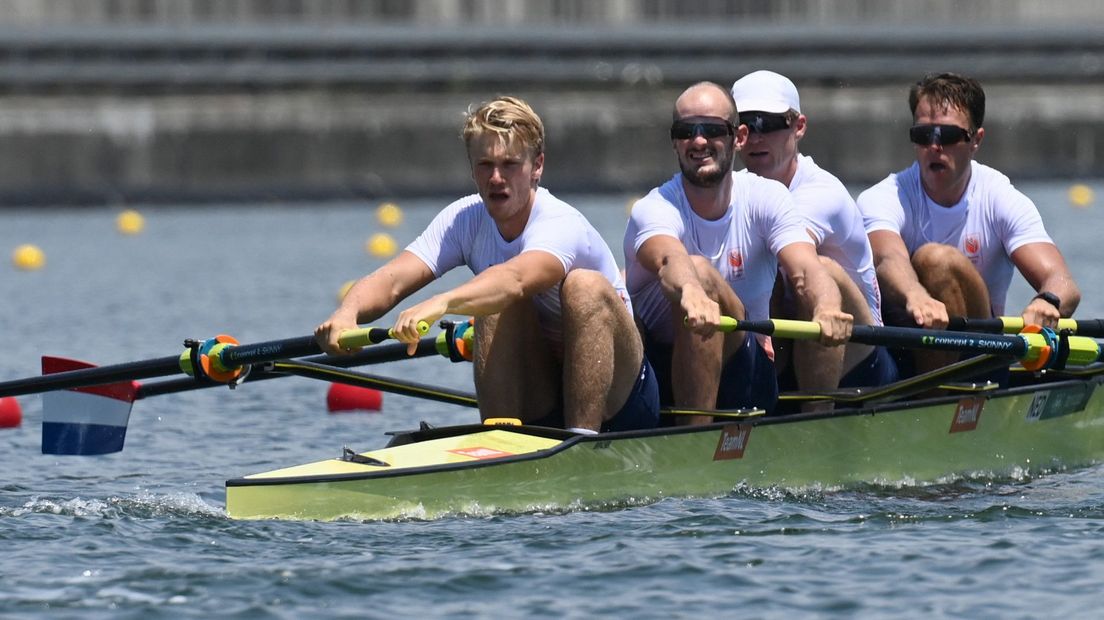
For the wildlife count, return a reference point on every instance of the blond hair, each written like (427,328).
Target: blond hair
(511,119)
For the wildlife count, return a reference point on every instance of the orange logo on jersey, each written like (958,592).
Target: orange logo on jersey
(972,245)
(736,261)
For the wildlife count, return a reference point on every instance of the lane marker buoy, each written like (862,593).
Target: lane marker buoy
(29,257)
(342,397)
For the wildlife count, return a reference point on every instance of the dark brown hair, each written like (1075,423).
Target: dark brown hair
(951,89)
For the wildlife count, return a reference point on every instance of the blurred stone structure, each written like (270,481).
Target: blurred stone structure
(112,101)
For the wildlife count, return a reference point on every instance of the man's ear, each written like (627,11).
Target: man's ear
(978,136)
(538,168)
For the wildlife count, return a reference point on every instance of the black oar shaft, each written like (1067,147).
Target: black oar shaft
(940,340)
(904,337)
(232,356)
(1092,328)
(92,376)
(390,352)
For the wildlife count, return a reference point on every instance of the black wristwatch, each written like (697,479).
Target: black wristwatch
(1050,298)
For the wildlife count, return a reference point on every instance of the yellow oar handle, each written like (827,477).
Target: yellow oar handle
(783,328)
(364,336)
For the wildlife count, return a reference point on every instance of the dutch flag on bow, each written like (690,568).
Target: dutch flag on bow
(88,420)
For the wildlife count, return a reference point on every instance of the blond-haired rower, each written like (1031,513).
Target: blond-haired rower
(555,340)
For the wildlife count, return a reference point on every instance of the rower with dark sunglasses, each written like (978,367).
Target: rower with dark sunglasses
(770,107)
(947,231)
(709,242)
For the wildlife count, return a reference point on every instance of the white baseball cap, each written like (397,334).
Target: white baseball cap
(765,91)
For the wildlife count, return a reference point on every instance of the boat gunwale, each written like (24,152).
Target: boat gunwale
(569,442)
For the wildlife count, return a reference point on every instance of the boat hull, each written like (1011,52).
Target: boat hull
(483,470)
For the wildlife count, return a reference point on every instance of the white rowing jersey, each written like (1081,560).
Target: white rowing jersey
(991,221)
(742,245)
(837,226)
(465,234)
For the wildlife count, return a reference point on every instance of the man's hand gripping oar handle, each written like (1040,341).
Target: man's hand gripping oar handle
(222,359)
(364,336)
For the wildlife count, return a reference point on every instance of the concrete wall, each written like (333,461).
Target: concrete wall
(108,101)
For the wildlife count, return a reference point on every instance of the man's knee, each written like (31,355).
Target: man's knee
(933,257)
(586,290)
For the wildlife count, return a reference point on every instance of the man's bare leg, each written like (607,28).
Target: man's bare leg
(602,350)
(696,361)
(516,373)
(819,368)
(951,278)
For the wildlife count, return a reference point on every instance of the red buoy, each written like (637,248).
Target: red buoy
(343,397)
(11,415)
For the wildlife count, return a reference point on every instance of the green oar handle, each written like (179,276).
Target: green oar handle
(364,336)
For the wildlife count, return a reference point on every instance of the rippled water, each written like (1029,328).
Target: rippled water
(143,533)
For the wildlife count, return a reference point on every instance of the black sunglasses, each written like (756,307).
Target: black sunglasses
(943,135)
(763,122)
(685,130)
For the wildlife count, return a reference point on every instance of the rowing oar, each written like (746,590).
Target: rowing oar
(387,352)
(1015,325)
(1034,350)
(220,358)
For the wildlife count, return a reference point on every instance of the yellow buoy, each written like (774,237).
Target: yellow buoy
(130,222)
(1080,195)
(344,290)
(389,214)
(28,257)
(381,245)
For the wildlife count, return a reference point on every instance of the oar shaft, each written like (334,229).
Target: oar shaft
(229,356)
(390,352)
(92,376)
(273,350)
(1093,328)
(941,340)
(1026,347)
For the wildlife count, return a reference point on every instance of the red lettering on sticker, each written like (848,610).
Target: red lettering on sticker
(733,442)
(481,453)
(967,414)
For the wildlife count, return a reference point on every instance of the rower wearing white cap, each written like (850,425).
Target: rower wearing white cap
(770,107)
(711,241)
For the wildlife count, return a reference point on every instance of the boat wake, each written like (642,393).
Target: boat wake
(143,505)
(477,510)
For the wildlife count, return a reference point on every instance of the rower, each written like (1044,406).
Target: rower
(710,241)
(770,107)
(555,340)
(947,231)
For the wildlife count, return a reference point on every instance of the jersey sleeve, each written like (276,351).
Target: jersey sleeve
(781,222)
(1019,219)
(652,215)
(881,206)
(441,245)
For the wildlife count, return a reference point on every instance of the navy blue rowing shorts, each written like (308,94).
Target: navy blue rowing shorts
(640,411)
(747,380)
(879,368)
